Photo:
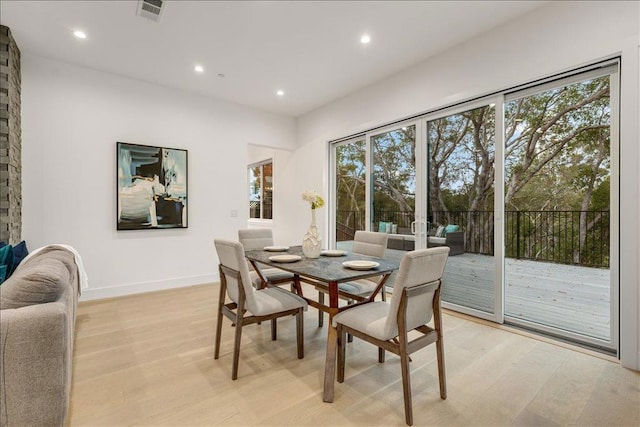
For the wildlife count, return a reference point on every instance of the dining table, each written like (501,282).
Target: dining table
(325,273)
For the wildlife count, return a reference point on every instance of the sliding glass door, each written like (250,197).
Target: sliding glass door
(559,206)
(350,188)
(393,185)
(460,205)
(521,186)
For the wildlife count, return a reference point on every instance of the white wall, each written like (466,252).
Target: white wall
(72,118)
(557,37)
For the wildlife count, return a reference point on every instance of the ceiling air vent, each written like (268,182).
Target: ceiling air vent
(150,9)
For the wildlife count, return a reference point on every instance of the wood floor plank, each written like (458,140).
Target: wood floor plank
(147,360)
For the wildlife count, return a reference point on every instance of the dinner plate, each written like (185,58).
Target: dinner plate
(333,252)
(285,258)
(276,248)
(360,264)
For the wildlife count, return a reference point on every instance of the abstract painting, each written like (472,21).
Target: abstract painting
(152,187)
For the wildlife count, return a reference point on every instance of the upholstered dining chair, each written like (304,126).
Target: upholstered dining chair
(415,300)
(250,305)
(368,243)
(257,238)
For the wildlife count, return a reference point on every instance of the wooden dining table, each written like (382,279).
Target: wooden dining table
(325,273)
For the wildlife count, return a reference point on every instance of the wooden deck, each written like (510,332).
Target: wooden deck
(570,298)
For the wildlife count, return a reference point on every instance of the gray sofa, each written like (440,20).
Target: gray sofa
(37,317)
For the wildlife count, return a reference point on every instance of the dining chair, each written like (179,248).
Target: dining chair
(368,243)
(250,305)
(257,238)
(415,300)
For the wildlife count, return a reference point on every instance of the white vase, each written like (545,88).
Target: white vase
(311,243)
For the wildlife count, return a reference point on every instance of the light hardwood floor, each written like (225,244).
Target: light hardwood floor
(148,360)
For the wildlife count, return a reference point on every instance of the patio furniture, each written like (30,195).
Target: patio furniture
(403,242)
(248,304)
(415,300)
(450,236)
(259,238)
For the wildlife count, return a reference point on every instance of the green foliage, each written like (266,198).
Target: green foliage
(557,158)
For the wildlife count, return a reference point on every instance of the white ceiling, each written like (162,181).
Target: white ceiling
(309,49)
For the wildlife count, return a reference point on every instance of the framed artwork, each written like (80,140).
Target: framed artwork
(152,187)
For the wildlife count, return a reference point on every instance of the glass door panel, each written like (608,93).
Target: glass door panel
(557,208)
(393,191)
(350,190)
(460,205)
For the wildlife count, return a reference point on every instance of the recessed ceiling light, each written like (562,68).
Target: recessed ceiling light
(80,34)
(280,92)
(199,69)
(365,39)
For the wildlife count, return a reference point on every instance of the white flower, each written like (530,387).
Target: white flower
(313,198)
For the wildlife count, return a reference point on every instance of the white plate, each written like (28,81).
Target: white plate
(333,252)
(360,265)
(276,248)
(285,258)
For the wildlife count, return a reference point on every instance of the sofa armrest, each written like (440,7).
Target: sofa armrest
(35,364)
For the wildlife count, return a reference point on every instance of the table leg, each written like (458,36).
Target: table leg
(332,344)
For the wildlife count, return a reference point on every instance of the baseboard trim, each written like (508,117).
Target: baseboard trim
(142,287)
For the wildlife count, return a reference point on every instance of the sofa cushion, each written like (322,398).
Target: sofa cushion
(7,260)
(34,283)
(20,252)
(440,231)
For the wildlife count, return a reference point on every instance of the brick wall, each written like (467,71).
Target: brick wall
(10,140)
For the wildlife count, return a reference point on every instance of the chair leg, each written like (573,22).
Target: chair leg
(320,312)
(216,352)
(341,353)
(349,336)
(381,353)
(437,323)
(274,329)
(300,333)
(406,386)
(236,347)
(441,372)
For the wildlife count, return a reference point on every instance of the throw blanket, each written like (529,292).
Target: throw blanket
(83,280)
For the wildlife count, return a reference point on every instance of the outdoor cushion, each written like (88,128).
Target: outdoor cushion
(440,231)
(451,228)
(438,240)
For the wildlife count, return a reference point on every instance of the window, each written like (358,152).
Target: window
(261,190)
